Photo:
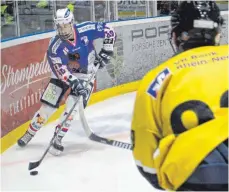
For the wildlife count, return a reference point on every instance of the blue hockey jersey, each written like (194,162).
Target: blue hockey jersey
(62,52)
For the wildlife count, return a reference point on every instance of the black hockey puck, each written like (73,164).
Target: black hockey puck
(33,172)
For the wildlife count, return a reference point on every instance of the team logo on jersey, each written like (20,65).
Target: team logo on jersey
(74,56)
(77,55)
(157,82)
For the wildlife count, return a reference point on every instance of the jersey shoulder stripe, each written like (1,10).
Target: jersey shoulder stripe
(55,46)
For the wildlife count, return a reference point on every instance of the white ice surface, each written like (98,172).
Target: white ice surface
(84,166)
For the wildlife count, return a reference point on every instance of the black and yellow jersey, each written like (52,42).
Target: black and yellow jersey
(181,114)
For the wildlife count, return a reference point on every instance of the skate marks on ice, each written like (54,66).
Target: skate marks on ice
(84,166)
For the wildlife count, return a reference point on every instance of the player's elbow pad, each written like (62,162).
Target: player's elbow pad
(109,39)
(65,75)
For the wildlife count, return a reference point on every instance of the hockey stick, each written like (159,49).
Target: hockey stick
(92,136)
(33,165)
(170,41)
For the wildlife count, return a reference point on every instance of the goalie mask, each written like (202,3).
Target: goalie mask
(195,24)
(64,21)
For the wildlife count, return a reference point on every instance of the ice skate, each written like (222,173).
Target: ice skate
(25,139)
(57,148)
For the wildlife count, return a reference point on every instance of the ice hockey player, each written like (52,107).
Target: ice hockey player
(71,56)
(180,120)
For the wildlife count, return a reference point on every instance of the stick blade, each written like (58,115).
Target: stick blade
(33,165)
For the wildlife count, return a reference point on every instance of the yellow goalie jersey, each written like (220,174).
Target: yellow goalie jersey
(188,91)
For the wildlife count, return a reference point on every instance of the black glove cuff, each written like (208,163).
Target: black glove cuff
(109,53)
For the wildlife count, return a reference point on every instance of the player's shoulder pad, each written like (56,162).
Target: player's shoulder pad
(55,45)
(85,26)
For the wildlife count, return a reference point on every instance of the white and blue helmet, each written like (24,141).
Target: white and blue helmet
(64,20)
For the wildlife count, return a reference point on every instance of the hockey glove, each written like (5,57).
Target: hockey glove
(78,88)
(103,58)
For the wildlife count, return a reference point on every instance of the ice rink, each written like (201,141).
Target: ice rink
(84,166)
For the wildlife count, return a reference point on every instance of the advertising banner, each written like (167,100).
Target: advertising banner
(131,9)
(24,75)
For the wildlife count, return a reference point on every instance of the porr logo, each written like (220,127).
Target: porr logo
(151,32)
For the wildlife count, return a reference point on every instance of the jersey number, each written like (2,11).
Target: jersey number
(201,109)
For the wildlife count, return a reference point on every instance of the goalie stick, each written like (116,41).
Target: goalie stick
(33,165)
(95,137)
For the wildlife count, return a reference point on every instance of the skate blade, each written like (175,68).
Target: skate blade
(54,151)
